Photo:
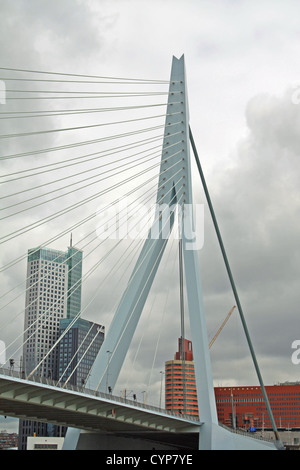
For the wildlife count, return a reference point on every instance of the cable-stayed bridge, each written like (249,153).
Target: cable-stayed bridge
(146,165)
(41,399)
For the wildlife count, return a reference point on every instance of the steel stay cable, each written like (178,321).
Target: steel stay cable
(61,234)
(113,203)
(48,312)
(66,94)
(84,75)
(144,160)
(12,79)
(57,342)
(67,329)
(77,352)
(53,270)
(104,257)
(68,258)
(83,356)
(88,142)
(76,174)
(233,286)
(148,321)
(86,236)
(87,92)
(162,317)
(95,295)
(106,277)
(77,315)
(131,280)
(29,227)
(70,112)
(69,229)
(151,155)
(99,95)
(90,126)
(74,160)
(112,151)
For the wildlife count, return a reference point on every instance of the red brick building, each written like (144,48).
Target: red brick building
(246,406)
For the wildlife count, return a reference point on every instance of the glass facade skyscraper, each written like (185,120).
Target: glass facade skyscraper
(78,349)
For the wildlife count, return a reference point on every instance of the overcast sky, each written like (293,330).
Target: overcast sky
(243,73)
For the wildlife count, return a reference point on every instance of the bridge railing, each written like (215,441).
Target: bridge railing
(81,389)
(253,435)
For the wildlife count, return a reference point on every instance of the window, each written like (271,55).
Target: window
(45,446)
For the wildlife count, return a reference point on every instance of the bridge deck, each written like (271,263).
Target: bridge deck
(40,399)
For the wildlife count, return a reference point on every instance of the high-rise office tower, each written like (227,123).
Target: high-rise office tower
(53,292)
(180,384)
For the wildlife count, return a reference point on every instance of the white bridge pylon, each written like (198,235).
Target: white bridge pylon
(174,190)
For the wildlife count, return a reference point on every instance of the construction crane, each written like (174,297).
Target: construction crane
(221,327)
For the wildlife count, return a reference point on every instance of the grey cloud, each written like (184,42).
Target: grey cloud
(274,121)
(258,203)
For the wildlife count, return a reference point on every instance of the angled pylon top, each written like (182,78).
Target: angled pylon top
(174,181)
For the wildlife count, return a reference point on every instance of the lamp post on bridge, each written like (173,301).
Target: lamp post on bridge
(126,394)
(108,360)
(161,382)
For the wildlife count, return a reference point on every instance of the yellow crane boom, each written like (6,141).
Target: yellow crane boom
(221,327)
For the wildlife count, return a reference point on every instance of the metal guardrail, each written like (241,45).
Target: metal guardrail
(90,392)
(245,433)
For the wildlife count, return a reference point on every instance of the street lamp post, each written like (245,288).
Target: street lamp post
(161,381)
(108,360)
